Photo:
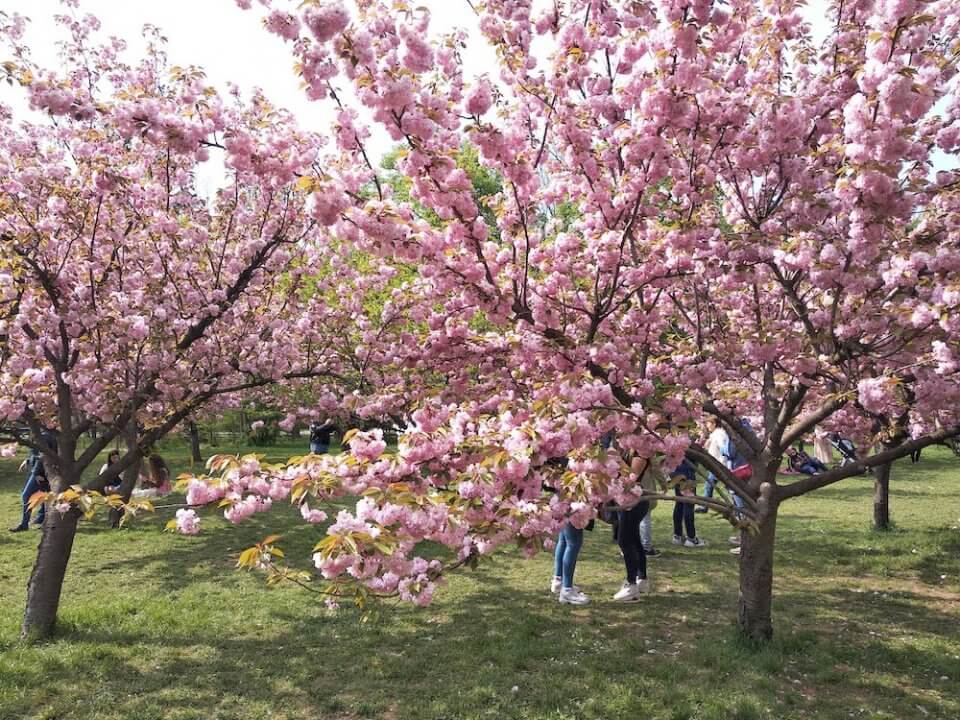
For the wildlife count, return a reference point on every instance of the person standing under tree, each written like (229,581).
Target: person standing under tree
(684,478)
(36,482)
(822,449)
(716,446)
(565,564)
(628,537)
(320,434)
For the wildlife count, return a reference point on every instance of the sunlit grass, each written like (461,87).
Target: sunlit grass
(155,625)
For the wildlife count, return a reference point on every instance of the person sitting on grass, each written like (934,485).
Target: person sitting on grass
(800,462)
(113,457)
(155,482)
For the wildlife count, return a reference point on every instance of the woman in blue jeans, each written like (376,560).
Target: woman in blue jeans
(564,565)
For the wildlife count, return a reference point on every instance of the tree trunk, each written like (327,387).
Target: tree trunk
(49,570)
(756,579)
(881,497)
(194,441)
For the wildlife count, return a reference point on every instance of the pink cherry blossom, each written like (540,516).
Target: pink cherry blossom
(188,523)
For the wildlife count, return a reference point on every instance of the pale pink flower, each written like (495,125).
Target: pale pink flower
(187,522)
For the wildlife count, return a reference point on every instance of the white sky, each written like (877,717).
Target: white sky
(232,46)
(228,43)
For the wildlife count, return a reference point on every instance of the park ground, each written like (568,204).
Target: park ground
(159,626)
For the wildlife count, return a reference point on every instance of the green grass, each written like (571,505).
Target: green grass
(154,625)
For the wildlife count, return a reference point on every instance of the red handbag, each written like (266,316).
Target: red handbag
(744,472)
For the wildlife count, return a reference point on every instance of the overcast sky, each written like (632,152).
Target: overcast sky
(229,44)
(232,46)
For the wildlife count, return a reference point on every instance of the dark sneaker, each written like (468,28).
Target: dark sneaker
(653,552)
(701,509)
(18,528)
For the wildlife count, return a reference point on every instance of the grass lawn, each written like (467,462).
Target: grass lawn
(154,625)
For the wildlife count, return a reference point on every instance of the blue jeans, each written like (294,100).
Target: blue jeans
(319,448)
(709,485)
(646,532)
(34,484)
(708,492)
(565,556)
(737,502)
(812,467)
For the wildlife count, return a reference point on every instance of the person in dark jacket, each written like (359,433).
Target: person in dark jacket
(36,482)
(320,434)
(802,463)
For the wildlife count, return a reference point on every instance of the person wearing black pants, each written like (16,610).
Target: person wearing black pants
(685,477)
(634,556)
(683,518)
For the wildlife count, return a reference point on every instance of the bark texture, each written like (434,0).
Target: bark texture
(881,497)
(755,604)
(49,571)
(194,433)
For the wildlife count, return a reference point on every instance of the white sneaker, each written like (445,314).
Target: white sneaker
(556,585)
(629,592)
(735,550)
(695,542)
(734,539)
(644,585)
(573,596)
(678,539)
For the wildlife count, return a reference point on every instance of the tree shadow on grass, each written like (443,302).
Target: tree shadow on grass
(945,562)
(149,653)
(853,492)
(926,554)
(462,658)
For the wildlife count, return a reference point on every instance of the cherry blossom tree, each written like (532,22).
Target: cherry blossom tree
(129,300)
(696,212)
(703,214)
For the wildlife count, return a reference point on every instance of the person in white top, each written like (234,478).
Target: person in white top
(822,449)
(716,445)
